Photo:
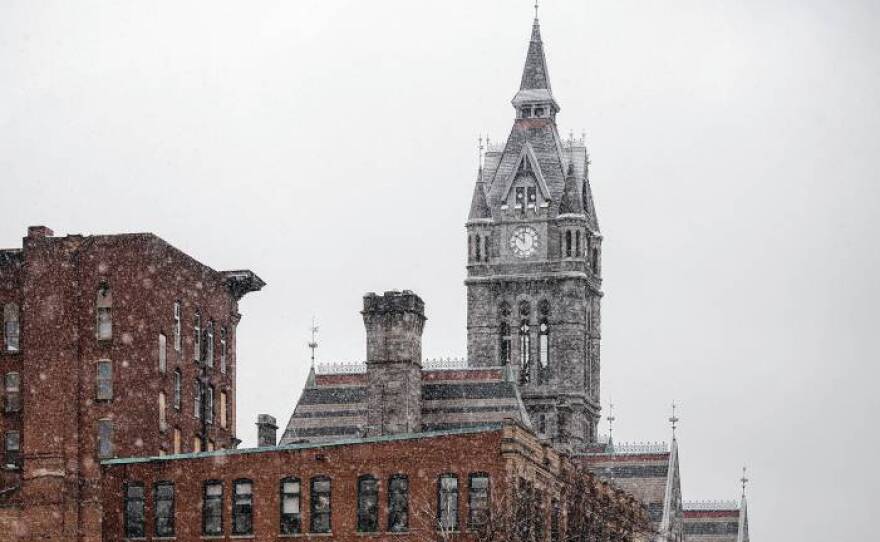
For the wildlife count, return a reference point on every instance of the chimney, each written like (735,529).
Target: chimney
(39,232)
(394,323)
(266,430)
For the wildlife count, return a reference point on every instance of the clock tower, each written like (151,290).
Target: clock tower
(534,265)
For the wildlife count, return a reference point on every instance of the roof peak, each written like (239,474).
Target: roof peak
(535,76)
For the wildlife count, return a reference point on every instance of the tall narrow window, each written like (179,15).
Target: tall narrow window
(209,344)
(12,392)
(568,243)
(103,307)
(162,419)
(105,438)
(554,521)
(177,388)
(223,349)
(104,381)
(11,328)
(478,255)
(505,343)
(447,503)
(291,500)
(197,336)
(485,248)
(243,507)
(12,449)
(163,353)
(532,195)
(367,504)
(544,345)
(525,353)
(577,243)
(320,505)
(209,404)
(134,510)
(595,261)
(521,197)
(398,504)
(478,500)
(197,398)
(197,444)
(176,326)
(470,247)
(212,509)
(223,419)
(163,501)
(178,441)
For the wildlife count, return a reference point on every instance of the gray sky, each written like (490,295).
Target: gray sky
(330,146)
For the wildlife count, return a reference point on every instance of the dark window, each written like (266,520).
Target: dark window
(243,507)
(521,196)
(478,249)
(197,336)
(505,343)
(103,307)
(595,261)
(12,449)
(134,510)
(398,504)
(525,112)
(11,328)
(209,404)
(320,505)
(554,521)
(525,353)
(105,438)
(177,390)
(539,111)
(176,325)
(104,381)
(568,243)
(12,392)
(447,503)
(163,501)
(478,500)
(291,501)
(532,194)
(577,243)
(367,504)
(212,509)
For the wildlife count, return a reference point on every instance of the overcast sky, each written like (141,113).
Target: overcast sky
(330,146)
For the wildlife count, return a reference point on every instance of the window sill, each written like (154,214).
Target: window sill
(164,538)
(330,534)
(241,536)
(213,537)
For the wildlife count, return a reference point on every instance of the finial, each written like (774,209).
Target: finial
(744,481)
(313,344)
(481,152)
(674,419)
(611,419)
(536,9)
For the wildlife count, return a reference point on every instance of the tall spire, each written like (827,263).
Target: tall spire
(534,87)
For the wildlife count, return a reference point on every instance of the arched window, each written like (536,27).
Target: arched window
(447,502)
(367,504)
(485,248)
(243,507)
(568,243)
(320,505)
(525,352)
(11,328)
(291,499)
(104,318)
(504,333)
(398,504)
(175,327)
(197,336)
(544,344)
(209,344)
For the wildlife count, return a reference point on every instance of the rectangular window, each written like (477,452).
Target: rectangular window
(554,521)
(212,509)
(223,349)
(105,438)
(133,522)
(12,392)
(197,445)
(163,353)
(243,508)
(104,381)
(197,336)
(176,326)
(478,500)
(223,420)
(103,306)
(520,197)
(11,328)
(209,405)
(177,440)
(177,390)
(320,505)
(368,504)
(163,501)
(197,399)
(532,194)
(447,503)
(12,449)
(162,420)
(209,344)
(291,516)
(398,504)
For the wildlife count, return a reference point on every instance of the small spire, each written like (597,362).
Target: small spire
(536,10)
(313,344)
(611,419)
(481,154)
(674,419)
(744,480)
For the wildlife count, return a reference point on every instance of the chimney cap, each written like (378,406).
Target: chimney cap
(38,232)
(267,419)
(394,301)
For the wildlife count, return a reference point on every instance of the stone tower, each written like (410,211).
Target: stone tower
(534,271)
(394,323)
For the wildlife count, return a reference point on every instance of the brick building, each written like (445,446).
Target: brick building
(113,346)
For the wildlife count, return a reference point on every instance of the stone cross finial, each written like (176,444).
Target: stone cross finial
(313,344)
(611,419)
(744,481)
(674,419)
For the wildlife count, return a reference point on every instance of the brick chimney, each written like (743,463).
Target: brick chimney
(267,428)
(394,323)
(39,232)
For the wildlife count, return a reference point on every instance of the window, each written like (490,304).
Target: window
(211,445)
(212,509)
(291,515)
(11,328)
(539,111)
(447,503)
(398,504)
(223,419)
(176,326)
(478,248)
(577,243)
(521,197)
(197,336)
(163,354)
(595,260)
(105,438)
(367,504)
(162,420)
(532,194)
(197,445)
(243,507)
(320,505)
(471,247)
(104,381)
(568,243)
(505,343)
(525,349)
(478,500)
(177,390)
(223,349)
(209,405)
(103,306)
(525,112)
(209,344)
(554,521)
(163,501)
(197,399)
(12,388)
(134,510)
(177,440)
(544,345)
(12,449)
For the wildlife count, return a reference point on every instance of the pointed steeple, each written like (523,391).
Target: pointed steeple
(571,203)
(534,87)
(479,206)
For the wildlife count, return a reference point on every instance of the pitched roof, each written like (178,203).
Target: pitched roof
(535,74)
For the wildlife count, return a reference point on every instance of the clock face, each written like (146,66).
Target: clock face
(524,241)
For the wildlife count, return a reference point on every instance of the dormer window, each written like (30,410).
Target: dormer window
(525,112)
(520,196)
(539,112)
(532,195)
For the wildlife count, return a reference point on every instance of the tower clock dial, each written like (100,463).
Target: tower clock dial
(524,241)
